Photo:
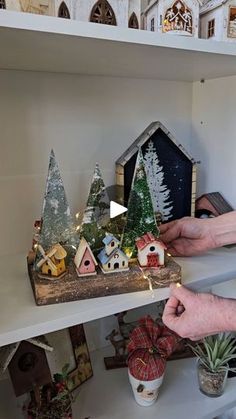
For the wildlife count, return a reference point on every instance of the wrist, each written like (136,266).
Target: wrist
(227,309)
(222,229)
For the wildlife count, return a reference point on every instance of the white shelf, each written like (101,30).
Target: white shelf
(40,43)
(21,318)
(109,395)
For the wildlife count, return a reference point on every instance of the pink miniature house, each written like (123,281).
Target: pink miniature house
(151,251)
(85,261)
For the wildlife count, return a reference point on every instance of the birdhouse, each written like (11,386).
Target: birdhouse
(112,258)
(27,364)
(52,263)
(85,261)
(171,173)
(151,251)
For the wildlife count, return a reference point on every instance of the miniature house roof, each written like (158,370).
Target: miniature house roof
(217,201)
(83,246)
(7,352)
(104,258)
(154,2)
(147,133)
(60,252)
(208,5)
(109,238)
(146,239)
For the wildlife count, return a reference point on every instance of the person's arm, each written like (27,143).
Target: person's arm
(190,236)
(194,315)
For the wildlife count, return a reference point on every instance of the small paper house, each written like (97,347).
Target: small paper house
(112,258)
(212,204)
(85,261)
(151,251)
(52,262)
(171,173)
(27,364)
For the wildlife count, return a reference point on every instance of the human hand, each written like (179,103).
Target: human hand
(192,315)
(188,236)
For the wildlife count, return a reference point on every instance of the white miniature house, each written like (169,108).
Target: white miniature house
(218,20)
(112,258)
(151,251)
(172,16)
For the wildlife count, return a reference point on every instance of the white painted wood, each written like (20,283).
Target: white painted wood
(42,43)
(179,395)
(21,318)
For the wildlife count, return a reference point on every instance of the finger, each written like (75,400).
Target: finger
(181,293)
(172,233)
(169,315)
(164,227)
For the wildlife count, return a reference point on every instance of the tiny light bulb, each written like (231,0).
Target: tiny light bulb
(35,246)
(178,285)
(168,254)
(77,228)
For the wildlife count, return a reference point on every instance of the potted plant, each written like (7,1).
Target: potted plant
(214,354)
(149,346)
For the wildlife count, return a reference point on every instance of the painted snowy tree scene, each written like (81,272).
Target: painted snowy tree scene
(155,175)
(140,215)
(64,263)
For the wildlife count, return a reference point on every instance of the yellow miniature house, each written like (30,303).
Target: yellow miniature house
(53,262)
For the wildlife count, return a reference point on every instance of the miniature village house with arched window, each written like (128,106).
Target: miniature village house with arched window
(151,251)
(172,16)
(112,258)
(122,13)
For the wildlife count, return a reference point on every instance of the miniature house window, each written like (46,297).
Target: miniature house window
(178,18)
(102,12)
(152,26)
(160,20)
(133,21)
(2,4)
(152,248)
(123,263)
(109,265)
(64,11)
(232,22)
(211,28)
(116,256)
(87,262)
(112,244)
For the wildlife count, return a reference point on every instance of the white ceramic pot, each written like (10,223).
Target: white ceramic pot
(145,392)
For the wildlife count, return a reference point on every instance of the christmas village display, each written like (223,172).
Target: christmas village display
(101,256)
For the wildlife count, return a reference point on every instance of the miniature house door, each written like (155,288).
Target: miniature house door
(152,260)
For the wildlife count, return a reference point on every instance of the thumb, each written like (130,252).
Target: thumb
(183,294)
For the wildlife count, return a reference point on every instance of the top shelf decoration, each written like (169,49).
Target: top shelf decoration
(207,19)
(101,256)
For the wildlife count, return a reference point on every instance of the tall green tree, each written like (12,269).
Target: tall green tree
(140,215)
(57,222)
(96,213)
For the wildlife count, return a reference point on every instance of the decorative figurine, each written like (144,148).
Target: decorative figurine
(149,347)
(211,205)
(96,213)
(112,258)
(57,225)
(85,261)
(52,263)
(140,214)
(151,251)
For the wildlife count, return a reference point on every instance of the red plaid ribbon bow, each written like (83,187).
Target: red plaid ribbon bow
(149,346)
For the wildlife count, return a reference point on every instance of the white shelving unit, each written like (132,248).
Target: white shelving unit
(21,318)
(179,395)
(53,45)
(158,77)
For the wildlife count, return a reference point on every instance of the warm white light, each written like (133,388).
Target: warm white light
(77,215)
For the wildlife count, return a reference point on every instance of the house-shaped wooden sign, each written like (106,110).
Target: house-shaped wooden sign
(171,173)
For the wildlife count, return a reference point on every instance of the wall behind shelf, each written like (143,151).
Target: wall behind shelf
(214,136)
(85,119)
